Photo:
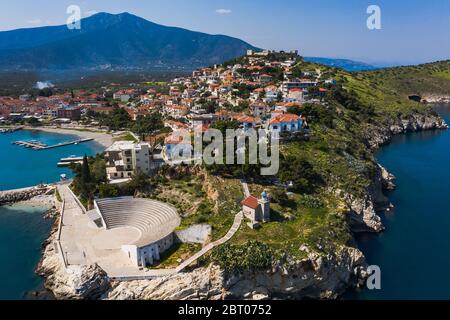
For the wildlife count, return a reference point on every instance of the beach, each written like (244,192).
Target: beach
(101,137)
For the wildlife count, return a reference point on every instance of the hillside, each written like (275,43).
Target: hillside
(341,182)
(107,41)
(346,64)
(425,79)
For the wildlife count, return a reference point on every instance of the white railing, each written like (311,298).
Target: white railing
(61,217)
(60,253)
(77,200)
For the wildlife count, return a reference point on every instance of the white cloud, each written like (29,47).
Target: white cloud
(223,11)
(34,22)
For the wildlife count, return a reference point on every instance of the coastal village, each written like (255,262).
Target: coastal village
(261,90)
(135,223)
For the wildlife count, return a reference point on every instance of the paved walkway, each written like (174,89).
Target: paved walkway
(235,227)
(245,187)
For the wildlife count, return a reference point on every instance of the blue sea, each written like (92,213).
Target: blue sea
(22,228)
(414,251)
(23,167)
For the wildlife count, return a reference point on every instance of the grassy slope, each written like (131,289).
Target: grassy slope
(421,79)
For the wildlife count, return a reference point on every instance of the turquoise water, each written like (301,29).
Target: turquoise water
(414,252)
(22,231)
(23,167)
(22,228)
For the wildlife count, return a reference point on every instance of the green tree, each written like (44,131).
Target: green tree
(85,170)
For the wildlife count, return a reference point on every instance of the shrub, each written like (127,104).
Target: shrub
(251,256)
(311,202)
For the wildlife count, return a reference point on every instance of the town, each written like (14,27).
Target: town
(262,90)
(153,124)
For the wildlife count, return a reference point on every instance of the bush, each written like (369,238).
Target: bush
(252,256)
(311,202)
(108,191)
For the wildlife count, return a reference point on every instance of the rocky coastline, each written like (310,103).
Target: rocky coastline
(363,215)
(315,277)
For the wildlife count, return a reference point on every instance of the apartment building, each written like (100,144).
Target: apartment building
(125,157)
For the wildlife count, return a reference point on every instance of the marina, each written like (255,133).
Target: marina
(36,145)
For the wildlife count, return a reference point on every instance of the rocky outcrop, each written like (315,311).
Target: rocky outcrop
(201,283)
(362,216)
(317,276)
(377,136)
(434,98)
(75,282)
(388,179)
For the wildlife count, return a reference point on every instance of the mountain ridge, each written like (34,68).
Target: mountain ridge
(114,41)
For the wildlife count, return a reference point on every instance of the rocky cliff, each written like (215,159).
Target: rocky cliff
(362,215)
(313,277)
(75,282)
(377,136)
(316,276)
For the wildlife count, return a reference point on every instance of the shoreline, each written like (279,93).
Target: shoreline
(102,138)
(389,179)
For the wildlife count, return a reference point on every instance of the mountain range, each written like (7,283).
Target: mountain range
(125,42)
(114,41)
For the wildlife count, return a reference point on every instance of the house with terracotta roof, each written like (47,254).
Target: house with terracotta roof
(286,123)
(247,122)
(295,95)
(256,210)
(259,109)
(178,146)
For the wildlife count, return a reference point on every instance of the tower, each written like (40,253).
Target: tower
(264,204)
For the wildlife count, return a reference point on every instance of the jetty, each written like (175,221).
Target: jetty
(36,145)
(65,162)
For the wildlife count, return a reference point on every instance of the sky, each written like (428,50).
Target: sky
(412,31)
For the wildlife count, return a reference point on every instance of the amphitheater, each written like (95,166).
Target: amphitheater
(142,228)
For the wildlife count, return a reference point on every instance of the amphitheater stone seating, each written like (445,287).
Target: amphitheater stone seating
(155,220)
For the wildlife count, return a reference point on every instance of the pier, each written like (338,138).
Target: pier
(65,162)
(36,145)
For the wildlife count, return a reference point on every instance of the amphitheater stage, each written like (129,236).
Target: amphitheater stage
(115,238)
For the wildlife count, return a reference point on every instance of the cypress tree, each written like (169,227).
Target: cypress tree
(85,171)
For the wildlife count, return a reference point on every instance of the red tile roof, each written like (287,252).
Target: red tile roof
(251,202)
(288,117)
(245,119)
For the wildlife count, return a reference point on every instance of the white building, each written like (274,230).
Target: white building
(125,157)
(149,223)
(256,210)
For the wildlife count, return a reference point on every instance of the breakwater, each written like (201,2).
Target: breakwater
(13,196)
